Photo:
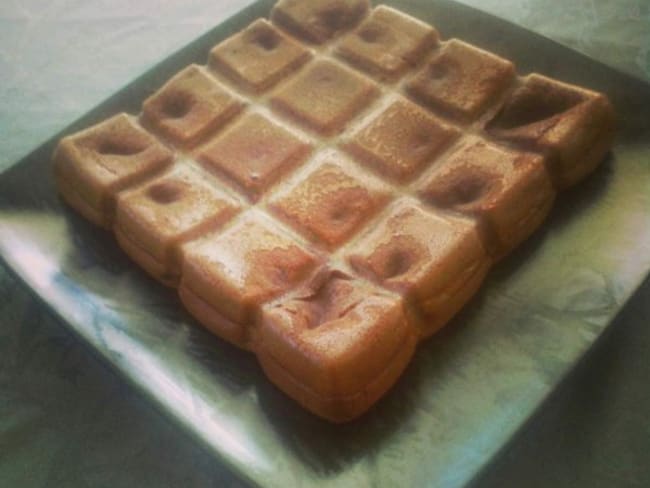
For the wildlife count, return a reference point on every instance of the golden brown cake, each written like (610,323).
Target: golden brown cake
(153,220)
(334,187)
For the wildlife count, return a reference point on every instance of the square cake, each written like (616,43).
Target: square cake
(334,186)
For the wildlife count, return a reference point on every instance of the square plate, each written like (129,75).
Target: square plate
(469,388)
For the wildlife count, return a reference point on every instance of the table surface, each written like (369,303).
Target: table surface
(67,420)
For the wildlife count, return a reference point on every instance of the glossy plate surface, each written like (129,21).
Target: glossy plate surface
(469,388)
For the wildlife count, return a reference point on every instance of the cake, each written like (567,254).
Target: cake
(333,186)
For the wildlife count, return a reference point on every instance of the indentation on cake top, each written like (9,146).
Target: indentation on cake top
(533,102)
(327,298)
(327,204)
(266,38)
(466,185)
(166,192)
(399,256)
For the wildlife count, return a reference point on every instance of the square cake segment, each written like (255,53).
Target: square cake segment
(462,80)
(153,220)
(331,201)
(336,344)
(258,57)
(93,165)
(318,21)
(510,192)
(254,153)
(228,275)
(436,261)
(190,106)
(573,126)
(324,96)
(400,140)
(387,43)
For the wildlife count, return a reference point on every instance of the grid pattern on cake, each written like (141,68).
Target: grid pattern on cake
(342,181)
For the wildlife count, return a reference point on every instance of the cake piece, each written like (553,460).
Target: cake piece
(336,345)
(318,21)
(258,57)
(573,126)
(228,275)
(509,192)
(153,220)
(254,153)
(189,107)
(324,96)
(93,165)
(387,43)
(461,80)
(401,140)
(331,201)
(436,261)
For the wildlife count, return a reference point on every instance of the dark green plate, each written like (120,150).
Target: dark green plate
(468,390)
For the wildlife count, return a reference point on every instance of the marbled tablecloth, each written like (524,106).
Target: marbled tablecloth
(66,420)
